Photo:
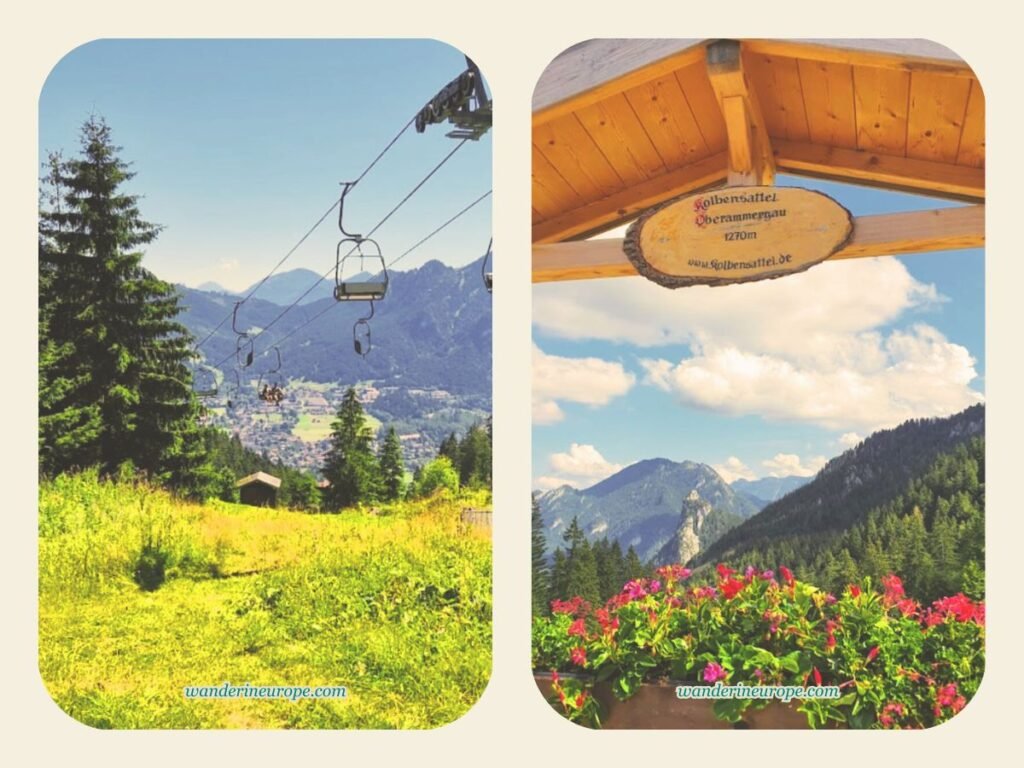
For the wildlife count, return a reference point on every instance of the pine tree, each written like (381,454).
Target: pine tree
(449,448)
(392,466)
(350,465)
(634,566)
(541,585)
(475,458)
(115,389)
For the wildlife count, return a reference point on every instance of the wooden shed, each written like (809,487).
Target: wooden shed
(258,489)
(622,126)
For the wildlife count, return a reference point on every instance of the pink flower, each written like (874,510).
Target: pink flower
(767,575)
(578,656)
(872,654)
(893,589)
(714,672)
(655,586)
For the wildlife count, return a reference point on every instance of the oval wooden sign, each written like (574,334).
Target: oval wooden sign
(736,235)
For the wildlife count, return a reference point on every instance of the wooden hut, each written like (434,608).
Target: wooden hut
(258,489)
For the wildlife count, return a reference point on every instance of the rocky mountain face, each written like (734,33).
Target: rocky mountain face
(640,506)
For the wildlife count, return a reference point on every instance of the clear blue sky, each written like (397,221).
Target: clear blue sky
(240,145)
(633,369)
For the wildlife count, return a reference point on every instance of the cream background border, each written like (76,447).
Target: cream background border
(512,43)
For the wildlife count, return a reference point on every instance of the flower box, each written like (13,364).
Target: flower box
(655,706)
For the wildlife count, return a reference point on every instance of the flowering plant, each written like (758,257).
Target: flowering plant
(897,664)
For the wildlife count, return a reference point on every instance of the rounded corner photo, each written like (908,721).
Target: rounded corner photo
(265,386)
(758,491)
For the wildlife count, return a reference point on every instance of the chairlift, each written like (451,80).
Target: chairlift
(352,264)
(272,391)
(205,392)
(463,102)
(487,275)
(361,340)
(243,343)
(238,388)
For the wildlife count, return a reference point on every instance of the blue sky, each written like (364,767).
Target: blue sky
(240,145)
(771,378)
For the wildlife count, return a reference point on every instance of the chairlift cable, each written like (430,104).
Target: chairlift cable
(379,224)
(309,232)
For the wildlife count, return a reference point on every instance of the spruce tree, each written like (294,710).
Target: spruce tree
(392,466)
(114,384)
(350,465)
(541,585)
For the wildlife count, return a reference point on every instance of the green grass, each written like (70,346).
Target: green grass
(312,428)
(261,596)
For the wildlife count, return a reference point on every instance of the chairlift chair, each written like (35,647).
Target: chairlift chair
(234,392)
(272,392)
(353,265)
(243,343)
(488,276)
(463,102)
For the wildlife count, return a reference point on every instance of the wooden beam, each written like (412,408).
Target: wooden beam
(903,55)
(750,155)
(928,176)
(880,235)
(624,205)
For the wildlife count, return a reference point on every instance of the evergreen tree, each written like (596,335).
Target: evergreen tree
(449,448)
(350,465)
(541,585)
(392,466)
(634,567)
(475,458)
(114,385)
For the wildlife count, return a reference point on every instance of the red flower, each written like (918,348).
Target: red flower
(578,656)
(732,587)
(854,590)
(724,571)
(872,654)
(554,677)
(817,675)
(787,575)
(578,627)
(580,699)
(893,589)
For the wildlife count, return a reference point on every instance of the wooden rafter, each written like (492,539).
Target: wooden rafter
(929,176)
(622,206)
(750,154)
(879,235)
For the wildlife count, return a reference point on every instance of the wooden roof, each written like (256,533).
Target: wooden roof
(622,125)
(259,477)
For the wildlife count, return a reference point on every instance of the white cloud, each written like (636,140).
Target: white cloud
(812,310)
(229,265)
(786,464)
(909,374)
(587,380)
(734,469)
(849,439)
(580,466)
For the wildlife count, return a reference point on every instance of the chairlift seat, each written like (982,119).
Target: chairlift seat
(361,290)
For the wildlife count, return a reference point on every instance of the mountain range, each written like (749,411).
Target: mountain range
(431,331)
(640,505)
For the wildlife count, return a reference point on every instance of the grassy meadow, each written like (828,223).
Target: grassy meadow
(394,604)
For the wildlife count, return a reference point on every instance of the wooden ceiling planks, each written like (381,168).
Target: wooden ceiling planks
(972,140)
(829,103)
(872,114)
(936,116)
(881,96)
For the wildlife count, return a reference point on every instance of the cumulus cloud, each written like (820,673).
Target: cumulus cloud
(812,310)
(786,464)
(734,469)
(909,374)
(849,439)
(587,380)
(582,465)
